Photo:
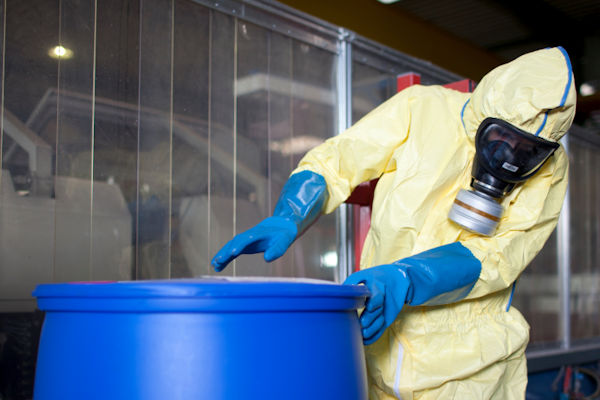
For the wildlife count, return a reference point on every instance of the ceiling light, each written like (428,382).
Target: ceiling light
(329,259)
(388,1)
(60,52)
(586,89)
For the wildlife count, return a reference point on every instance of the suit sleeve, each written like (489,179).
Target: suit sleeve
(361,153)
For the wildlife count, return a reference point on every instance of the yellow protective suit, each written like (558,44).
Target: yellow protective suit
(421,145)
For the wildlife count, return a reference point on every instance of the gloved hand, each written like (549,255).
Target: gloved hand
(442,275)
(273,236)
(389,286)
(299,205)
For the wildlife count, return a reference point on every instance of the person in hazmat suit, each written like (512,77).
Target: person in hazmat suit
(470,187)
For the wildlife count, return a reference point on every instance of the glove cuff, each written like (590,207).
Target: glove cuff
(442,275)
(302,199)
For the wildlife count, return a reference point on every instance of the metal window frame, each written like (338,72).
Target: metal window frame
(344,118)
(563,262)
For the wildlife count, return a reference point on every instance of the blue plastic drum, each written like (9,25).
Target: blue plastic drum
(215,339)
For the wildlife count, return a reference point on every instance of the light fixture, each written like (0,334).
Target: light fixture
(388,1)
(587,89)
(60,52)
(329,259)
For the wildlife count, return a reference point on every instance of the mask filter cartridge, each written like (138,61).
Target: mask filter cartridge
(476,212)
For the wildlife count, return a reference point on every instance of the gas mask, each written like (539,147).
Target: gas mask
(504,157)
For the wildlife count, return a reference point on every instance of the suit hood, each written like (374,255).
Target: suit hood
(535,92)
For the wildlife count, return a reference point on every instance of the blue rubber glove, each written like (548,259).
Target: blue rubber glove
(442,275)
(299,205)
(389,287)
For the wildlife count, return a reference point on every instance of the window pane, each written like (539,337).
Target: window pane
(74,143)
(252,138)
(221,133)
(190,185)
(27,204)
(584,242)
(114,197)
(537,296)
(313,119)
(155,140)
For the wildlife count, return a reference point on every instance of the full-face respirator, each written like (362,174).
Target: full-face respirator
(504,157)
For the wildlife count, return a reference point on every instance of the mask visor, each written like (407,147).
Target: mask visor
(509,153)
